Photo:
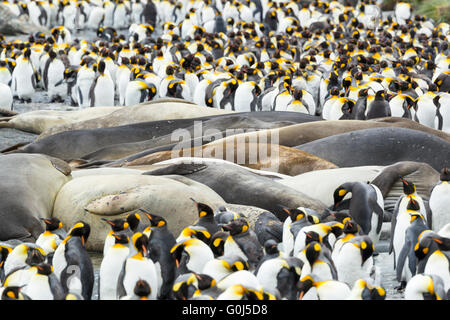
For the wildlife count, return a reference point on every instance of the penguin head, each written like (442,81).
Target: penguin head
(133,220)
(35,255)
(185,286)
(117,224)
(12,293)
(408,187)
(340,216)
(203,209)
(140,242)
(415,216)
(313,251)
(350,226)
(363,92)
(155,221)
(52,224)
(312,236)
(4,252)
(339,195)
(142,289)
(101,67)
(369,291)
(303,286)
(80,229)
(44,269)
(295,213)
(271,247)
(217,243)
(380,95)
(120,238)
(198,232)
(366,247)
(413,205)
(237,226)
(52,55)
(445,175)
(428,242)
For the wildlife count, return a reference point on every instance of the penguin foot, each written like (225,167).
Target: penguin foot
(401,287)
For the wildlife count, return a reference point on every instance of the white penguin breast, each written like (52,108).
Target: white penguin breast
(39,288)
(439,204)
(140,269)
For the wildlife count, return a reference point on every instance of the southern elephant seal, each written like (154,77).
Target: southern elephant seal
(238,185)
(162,109)
(90,198)
(28,188)
(39,121)
(302,133)
(120,141)
(381,146)
(261,156)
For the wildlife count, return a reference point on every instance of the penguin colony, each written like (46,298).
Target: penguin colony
(219,257)
(335,59)
(338,60)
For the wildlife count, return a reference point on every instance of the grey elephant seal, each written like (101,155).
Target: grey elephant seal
(28,188)
(238,185)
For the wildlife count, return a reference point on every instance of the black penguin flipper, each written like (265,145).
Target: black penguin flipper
(80,96)
(92,92)
(179,169)
(393,223)
(401,260)
(412,261)
(380,212)
(56,288)
(121,292)
(45,74)
(429,216)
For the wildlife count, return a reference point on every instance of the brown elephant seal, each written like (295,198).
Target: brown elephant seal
(89,198)
(260,156)
(302,133)
(28,188)
(238,185)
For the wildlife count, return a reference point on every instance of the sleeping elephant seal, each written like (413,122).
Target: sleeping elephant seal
(38,121)
(260,156)
(381,146)
(116,142)
(89,198)
(28,188)
(161,109)
(238,185)
(322,183)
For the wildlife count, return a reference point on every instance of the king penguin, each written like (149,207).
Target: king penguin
(268,227)
(312,287)
(117,226)
(44,285)
(72,264)
(355,259)
(191,255)
(243,242)
(161,240)
(111,268)
(440,201)
(379,108)
(206,217)
(138,267)
(54,234)
(406,266)
(366,206)
(101,92)
(24,82)
(399,224)
(425,287)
